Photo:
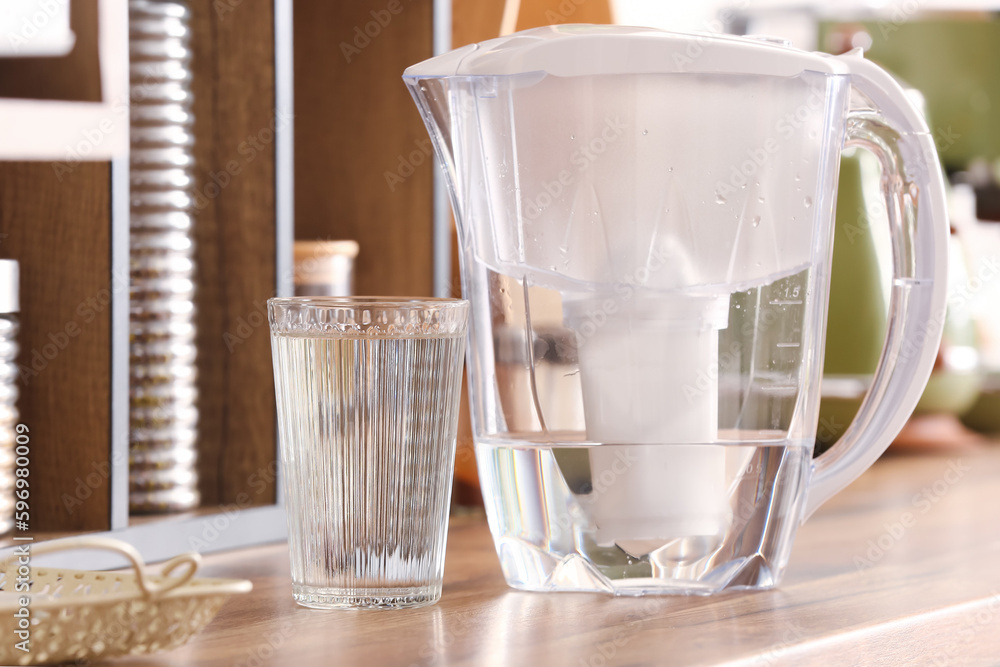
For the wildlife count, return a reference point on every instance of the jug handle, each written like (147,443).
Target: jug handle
(883,121)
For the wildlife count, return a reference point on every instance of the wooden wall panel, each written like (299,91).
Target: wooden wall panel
(233,62)
(59,231)
(362,169)
(536,13)
(477,20)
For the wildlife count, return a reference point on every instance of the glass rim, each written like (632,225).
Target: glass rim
(384,302)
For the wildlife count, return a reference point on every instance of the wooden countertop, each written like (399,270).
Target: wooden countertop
(929,595)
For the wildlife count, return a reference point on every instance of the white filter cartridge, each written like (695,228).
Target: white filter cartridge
(650,389)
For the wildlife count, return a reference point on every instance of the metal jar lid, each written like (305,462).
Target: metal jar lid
(324,267)
(9,286)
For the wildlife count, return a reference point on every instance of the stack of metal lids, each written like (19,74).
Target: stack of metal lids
(9,305)
(163,394)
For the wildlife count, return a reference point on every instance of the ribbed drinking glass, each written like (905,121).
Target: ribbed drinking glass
(367,393)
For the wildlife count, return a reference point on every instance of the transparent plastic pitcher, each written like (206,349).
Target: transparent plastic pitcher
(645,229)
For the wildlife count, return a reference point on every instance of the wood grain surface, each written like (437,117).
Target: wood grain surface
(929,595)
(478,20)
(233,63)
(58,227)
(363,169)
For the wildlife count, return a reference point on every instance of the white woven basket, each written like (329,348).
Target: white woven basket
(84,615)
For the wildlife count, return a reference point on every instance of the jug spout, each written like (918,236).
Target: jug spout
(434,97)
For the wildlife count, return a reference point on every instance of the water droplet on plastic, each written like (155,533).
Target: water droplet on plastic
(572,137)
(719,199)
(760,200)
(670,168)
(797,177)
(645,132)
(743,187)
(737,306)
(807,202)
(756,220)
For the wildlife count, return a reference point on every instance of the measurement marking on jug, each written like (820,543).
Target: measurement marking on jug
(785,302)
(780,387)
(788,345)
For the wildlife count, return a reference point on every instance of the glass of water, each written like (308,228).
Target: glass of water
(368,392)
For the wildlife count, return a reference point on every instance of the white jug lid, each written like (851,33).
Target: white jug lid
(583,50)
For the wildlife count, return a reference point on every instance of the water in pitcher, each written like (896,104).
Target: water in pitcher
(549,541)
(732,500)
